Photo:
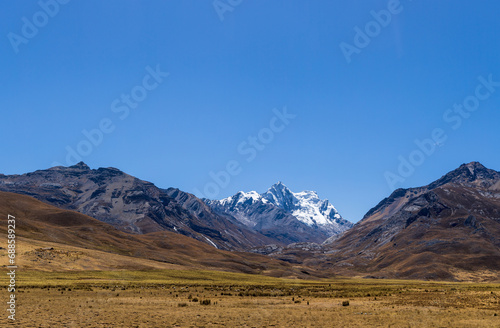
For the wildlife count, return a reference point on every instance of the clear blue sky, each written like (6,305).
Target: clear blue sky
(353,120)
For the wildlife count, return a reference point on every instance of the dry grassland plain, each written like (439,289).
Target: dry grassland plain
(192,298)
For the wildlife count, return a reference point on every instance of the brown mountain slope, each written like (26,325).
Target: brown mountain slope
(447,230)
(41,224)
(132,205)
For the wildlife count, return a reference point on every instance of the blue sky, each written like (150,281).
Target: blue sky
(353,123)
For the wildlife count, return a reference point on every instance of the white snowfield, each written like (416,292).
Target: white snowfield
(242,197)
(312,210)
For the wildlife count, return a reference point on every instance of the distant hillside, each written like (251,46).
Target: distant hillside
(71,233)
(133,205)
(448,230)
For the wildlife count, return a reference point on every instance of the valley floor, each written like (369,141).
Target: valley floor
(174,298)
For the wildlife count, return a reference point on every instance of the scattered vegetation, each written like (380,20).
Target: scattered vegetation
(205,298)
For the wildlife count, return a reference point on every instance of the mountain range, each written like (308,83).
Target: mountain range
(446,230)
(136,206)
(53,239)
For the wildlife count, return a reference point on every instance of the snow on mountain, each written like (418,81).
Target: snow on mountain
(306,207)
(313,210)
(279,195)
(242,198)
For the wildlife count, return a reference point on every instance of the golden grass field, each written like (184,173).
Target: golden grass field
(173,298)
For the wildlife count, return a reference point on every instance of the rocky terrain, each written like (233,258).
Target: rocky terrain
(53,239)
(448,230)
(283,215)
(132,205)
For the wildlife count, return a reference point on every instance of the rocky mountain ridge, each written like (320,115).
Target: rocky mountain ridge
(136,206)
(131,204)
(448,230)
(283,214)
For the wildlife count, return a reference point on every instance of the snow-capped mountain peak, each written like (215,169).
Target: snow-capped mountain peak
(305,206)
(279,195)
(242,197)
